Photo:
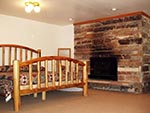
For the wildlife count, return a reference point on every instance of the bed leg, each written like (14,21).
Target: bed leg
(85,90)
(35,95)
(17,99)
(85,79)
(44,95)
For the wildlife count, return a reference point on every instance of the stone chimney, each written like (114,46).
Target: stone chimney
(126,37)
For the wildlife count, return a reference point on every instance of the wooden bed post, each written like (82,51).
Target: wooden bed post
(39,55)
(43,95)
(16,73)
(85,80)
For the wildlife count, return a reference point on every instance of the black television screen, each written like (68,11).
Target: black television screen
(103,68)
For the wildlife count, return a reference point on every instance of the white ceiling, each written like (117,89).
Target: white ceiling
(59,11)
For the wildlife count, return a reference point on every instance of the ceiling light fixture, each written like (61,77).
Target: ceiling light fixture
(70,19)
(114,9)
(32,5)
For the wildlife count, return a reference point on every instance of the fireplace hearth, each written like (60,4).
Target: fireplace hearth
(103,68)
(125,37)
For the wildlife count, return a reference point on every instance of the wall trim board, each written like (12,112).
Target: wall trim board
(113,17)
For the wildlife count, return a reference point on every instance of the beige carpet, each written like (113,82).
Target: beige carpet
(73,102)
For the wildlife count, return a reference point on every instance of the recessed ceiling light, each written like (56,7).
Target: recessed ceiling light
(114,9)
(70,19)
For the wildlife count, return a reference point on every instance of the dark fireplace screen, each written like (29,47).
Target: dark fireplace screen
(103,68)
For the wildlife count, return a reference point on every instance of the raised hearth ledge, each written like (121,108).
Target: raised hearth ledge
(128,69)
(109,82)
(113,86)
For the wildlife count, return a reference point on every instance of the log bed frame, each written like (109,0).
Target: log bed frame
(71,72)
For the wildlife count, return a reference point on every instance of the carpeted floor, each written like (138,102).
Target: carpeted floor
(97,101)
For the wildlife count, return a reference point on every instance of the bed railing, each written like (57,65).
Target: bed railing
(10,52)
(53,72)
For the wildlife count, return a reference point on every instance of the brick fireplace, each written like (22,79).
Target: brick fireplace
(125,37)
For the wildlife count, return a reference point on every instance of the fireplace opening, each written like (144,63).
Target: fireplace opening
(103,68)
